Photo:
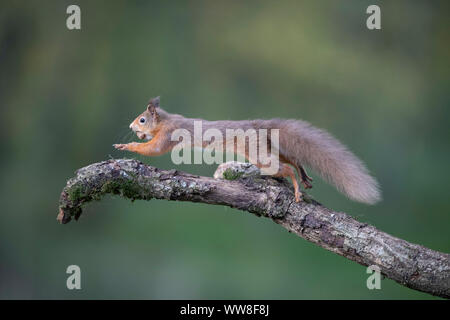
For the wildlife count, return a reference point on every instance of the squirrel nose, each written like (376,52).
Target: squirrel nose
(131,126)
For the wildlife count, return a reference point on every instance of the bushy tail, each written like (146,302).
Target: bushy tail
(303,144)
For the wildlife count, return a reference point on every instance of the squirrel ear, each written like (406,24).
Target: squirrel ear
(152,105)
(154,102)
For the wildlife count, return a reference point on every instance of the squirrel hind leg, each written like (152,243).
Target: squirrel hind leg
(305,179)
(286,171)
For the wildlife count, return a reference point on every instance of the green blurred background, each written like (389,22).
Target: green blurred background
(67,96)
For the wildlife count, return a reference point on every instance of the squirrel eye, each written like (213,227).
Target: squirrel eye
(142,120)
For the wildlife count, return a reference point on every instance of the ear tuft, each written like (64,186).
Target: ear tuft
(152,105)
(154,102)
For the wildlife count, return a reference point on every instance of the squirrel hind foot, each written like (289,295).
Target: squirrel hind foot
(306,184)
(298,196)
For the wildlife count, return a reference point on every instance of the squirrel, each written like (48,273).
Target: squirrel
(300,144)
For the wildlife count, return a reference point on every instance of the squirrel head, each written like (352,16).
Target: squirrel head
(146,124)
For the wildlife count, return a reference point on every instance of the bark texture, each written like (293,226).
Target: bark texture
(240,186)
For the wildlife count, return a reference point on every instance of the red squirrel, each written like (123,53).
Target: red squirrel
(299,144)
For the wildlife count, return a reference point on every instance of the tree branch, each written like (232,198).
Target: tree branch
(240,186)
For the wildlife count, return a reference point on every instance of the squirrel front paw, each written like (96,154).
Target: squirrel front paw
(128,146)
(120,146)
